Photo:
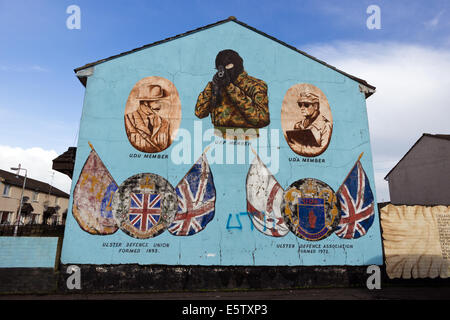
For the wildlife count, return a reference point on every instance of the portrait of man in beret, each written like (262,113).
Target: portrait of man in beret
(306,120)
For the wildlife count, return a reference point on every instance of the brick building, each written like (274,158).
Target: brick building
(39,199)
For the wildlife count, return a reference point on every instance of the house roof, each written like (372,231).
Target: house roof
(65,162)
(82,77)
(31,184)
(437,136)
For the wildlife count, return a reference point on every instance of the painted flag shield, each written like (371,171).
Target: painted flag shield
(311,217)
(196,200)
(264,198)
(92,197)
(310,209)
(145,210)
(144,205)
(357,204)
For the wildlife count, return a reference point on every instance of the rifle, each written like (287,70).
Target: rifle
(215,99)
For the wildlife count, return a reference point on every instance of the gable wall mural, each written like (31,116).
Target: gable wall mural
(222,147)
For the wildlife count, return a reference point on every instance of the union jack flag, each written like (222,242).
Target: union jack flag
(196,200)
(145,210)
(357,205)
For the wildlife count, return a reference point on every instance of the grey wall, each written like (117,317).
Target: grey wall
(423,176)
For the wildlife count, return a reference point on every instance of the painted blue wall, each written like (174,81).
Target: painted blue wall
(189,63)
(28,252)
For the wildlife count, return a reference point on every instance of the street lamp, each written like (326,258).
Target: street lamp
(21,196)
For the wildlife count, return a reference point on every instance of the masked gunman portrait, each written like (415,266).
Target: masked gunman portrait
(233,98)
(146,129)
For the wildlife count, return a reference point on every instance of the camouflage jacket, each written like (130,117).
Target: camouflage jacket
(243,104)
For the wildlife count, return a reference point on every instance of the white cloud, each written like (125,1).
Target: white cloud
(39,68)
(435,21)
(34,68)
(412,94)
(38,163)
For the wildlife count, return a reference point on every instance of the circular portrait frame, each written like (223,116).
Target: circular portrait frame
(306,120)
(152,114)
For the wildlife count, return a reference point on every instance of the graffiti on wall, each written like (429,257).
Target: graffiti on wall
(195,169)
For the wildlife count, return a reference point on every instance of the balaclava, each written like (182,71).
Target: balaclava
(228,56)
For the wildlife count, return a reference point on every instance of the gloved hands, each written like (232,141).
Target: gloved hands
(218,84)
(221,82)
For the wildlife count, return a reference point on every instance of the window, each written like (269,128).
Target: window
(6,190)
(54,220)
(4,217)
(35,196)
(34,218)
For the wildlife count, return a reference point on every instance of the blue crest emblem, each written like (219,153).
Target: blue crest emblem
(311,218)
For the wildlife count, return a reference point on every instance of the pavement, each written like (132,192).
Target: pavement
(387,293)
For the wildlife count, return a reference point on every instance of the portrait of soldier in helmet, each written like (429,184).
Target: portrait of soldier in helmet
(233,99)
(306,120)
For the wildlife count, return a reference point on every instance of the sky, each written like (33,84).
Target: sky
(407,59)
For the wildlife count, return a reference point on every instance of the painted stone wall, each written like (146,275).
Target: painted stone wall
(222,147)
(28,252)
